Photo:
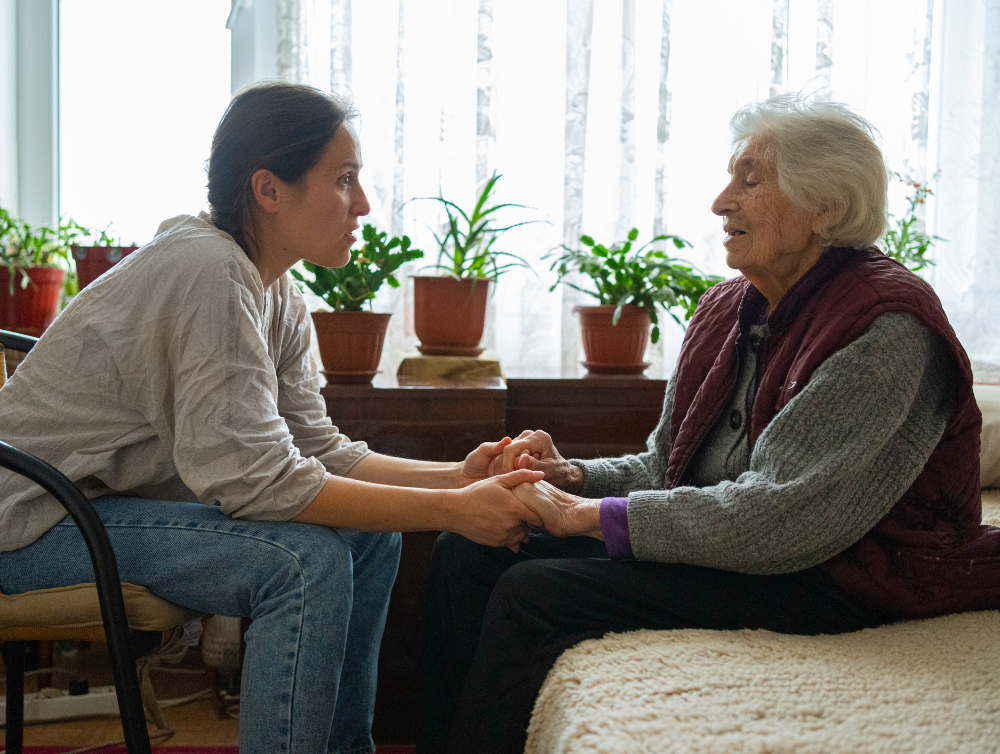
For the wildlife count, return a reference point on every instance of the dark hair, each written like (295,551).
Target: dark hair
(275,126)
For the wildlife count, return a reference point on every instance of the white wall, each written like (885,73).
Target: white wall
(38,110)
(254,27)
(8,106)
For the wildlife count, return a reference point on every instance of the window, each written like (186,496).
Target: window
(613,114)
(142,87)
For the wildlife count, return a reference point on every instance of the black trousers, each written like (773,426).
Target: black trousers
(496,621)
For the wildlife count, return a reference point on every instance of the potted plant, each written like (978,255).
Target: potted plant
(905,240)
(100,252)
(33,262)
(450,309)
(350,338)
(629,286)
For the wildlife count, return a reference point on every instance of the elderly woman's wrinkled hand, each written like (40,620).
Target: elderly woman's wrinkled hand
(562,514)
(534,449)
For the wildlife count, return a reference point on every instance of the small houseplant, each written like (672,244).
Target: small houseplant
(350,338)
(95,252)
(33,264)
(905,241)
(629,285)
(450,308)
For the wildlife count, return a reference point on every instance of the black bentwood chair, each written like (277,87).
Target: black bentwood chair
(69,613)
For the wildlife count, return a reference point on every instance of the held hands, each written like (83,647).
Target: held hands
(496,468)
(534,449)
(484,462)
(491,514)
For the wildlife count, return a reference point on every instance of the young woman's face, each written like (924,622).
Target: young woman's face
(325,205)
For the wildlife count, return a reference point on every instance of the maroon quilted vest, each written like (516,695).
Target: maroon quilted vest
(930,555)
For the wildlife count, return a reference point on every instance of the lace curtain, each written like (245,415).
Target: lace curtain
(603,116)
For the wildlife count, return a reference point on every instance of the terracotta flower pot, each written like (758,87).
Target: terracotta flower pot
(450,314)
(94,261)
(614,349)
(31,309)
(350,344)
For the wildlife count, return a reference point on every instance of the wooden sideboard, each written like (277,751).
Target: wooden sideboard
(587,418)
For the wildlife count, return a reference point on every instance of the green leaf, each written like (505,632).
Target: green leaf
(904,241)
(351,286)
(619,273)
(465,246)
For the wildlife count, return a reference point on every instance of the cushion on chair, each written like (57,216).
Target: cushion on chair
(73,612)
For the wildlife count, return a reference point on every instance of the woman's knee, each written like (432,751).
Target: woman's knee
(450,548)
(521,578)
(287,556)
(521,587)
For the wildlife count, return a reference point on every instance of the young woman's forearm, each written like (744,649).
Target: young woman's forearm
(406,472)
(483,462)
(359,504)
(486,511)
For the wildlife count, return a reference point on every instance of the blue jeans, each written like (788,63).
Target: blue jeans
(318,598)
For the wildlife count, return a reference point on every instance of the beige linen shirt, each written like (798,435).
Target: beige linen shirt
(176,376)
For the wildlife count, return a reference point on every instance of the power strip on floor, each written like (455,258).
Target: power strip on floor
(40,707)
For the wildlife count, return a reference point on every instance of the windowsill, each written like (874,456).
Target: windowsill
(383,381)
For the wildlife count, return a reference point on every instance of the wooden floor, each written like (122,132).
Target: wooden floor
(199,723)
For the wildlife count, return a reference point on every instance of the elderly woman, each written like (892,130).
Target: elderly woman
(815,469)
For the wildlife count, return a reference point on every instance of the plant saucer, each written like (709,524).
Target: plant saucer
(350,378)
(595,367)
(470,351)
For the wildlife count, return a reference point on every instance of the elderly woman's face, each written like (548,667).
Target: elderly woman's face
(765,232)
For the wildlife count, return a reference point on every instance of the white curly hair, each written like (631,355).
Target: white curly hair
(827,161)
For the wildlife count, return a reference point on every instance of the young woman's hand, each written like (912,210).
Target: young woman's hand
(489,513)
(484,462)
(562,514)
(534,449)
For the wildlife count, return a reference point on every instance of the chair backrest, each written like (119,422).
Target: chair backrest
(15,342)
(108,583)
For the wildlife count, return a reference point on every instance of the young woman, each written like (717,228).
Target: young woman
(179,393)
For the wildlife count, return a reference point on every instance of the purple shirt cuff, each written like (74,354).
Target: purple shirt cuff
(614,527)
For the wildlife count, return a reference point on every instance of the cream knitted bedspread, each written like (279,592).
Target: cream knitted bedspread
(922,686)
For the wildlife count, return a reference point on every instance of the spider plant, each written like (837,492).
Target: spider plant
(467,238)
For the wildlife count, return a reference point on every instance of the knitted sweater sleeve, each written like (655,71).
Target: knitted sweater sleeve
(603,477)
(826,469)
